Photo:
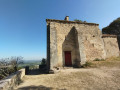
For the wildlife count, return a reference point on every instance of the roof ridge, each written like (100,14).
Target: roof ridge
(54,20)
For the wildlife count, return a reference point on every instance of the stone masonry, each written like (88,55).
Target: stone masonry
(83,42)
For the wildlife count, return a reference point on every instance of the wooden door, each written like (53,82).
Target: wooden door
(68,61)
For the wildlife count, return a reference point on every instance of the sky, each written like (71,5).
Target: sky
(23,22)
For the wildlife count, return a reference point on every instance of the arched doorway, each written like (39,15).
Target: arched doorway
(70,49)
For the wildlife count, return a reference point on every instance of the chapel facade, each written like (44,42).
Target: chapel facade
(72,43)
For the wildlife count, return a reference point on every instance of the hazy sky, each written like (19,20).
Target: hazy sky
(23,22)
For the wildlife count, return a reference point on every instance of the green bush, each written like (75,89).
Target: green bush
(44,61)
(97,59)
(4,72)
(102,59)
(87,64)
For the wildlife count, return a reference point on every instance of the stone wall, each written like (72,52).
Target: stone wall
(82,39)
(111,46)
(94,45)
(11,81)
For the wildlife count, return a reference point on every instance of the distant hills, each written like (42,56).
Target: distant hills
(31,61)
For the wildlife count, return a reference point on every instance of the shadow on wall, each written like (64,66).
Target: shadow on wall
(71,44)
(41,87)
(36,71)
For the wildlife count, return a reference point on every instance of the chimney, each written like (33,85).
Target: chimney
(67,18)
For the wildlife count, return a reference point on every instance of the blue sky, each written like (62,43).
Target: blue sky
(23,25)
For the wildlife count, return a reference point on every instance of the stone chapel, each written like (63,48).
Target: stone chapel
(72,43)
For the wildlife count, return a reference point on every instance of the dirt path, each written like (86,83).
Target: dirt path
(74,79)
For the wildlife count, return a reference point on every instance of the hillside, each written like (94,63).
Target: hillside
(113,28)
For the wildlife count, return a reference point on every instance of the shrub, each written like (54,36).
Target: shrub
(6,71)
(102,59)
(43,63)
(87,64)
(97,59)
(8,66)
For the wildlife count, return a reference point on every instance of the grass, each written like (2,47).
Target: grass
(109,62)
(87,64)
(97,59)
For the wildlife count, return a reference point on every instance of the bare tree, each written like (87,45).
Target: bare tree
(9,65)
(15,61)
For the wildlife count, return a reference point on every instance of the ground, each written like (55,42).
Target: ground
(102,75)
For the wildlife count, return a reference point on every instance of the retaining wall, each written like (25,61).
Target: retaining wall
(13,80)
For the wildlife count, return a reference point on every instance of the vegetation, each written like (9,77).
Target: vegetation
(87,64)
(97,59)
(15,61)
(80,21)
(31,63)
(109,62)
(13,64)
(43,63)
(113,28)
(9,65)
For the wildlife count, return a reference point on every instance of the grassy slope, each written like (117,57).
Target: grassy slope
(110,63)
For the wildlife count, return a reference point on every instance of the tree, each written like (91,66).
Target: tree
(15,61)
(113,28)
(9,65)
(4,68)
(43,61)
(4,62)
